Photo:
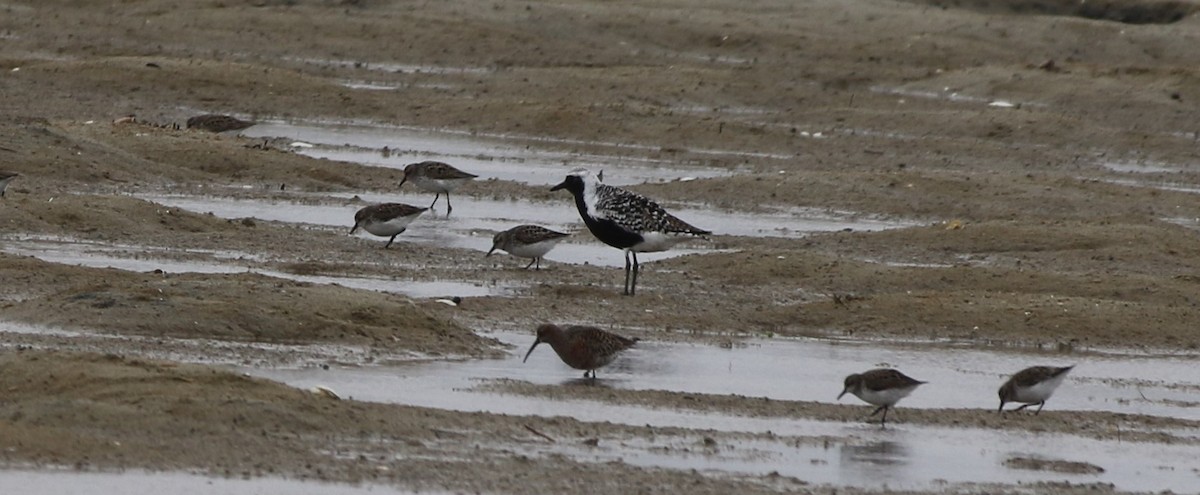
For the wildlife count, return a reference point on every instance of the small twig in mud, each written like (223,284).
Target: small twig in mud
(1139,389)
(538,433)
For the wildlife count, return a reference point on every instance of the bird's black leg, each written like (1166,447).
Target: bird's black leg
(530,263)
(627,272)
(1040,404)
(633,286)
(435,198)
(385,246)
(876,411)
(449,207)
(883,422)
(1023,406)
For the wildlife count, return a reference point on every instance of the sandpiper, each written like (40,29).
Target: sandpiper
(582,348)
(527,241)
(625,220)
(880,387)
(386,219)
(1032,386)
(5,178)
(436,177)
(217,123)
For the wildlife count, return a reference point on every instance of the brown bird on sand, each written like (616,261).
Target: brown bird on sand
(880,387)
(1032,386)
(582,348)
(217,123)
(436,177)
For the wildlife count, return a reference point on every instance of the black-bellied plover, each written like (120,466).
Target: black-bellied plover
(625,220)
(527,241)
(880,387)
(217,123)
(1032,386)
(436,177)
(386,219)
(5,178)
(581,347)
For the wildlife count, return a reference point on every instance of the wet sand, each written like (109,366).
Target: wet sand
(1024,172)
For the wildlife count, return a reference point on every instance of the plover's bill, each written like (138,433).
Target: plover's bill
(527,241)
(582,348)
(880,387)
(436,177)
(217,123)
(386,219)
(625,220)
(5,178)
(1032,386)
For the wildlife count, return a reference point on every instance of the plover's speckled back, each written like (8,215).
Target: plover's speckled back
(436,177)
(880,387)
(217,123)
(527,241)
(5,178)
(1032,385)
(625,220)
(386,219)
(581,347)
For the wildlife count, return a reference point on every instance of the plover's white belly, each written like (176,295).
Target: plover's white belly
(390,227)
(1039,392)
(884,397)
(653,242)
(535,250)
(437,185)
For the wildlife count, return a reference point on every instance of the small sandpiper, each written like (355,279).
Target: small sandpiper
(527,241)
(386,219)
(5,178)
(217,123)
(625,220)
(582,348)
(1032,386)
(436,177)
(880,387)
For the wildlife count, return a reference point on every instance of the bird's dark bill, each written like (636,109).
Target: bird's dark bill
(535,344)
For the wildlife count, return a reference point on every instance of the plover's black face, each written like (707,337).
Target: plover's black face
(573,183)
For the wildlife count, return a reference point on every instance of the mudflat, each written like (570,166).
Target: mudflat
(1038,159)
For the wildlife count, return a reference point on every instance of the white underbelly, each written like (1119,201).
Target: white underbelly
(535,250)
(1039,392)
(438,185)
(884,397)
(657,241)
(390,227)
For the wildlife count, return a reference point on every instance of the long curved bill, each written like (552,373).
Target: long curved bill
(535,344)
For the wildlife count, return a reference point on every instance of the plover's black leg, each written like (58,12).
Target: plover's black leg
(633,286)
